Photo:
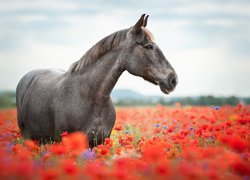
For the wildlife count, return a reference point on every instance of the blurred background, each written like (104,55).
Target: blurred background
(207,42)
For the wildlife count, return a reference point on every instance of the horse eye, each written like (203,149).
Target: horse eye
(148,46)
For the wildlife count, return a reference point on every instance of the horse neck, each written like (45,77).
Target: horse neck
(112,70)
(103,75)
(101,66)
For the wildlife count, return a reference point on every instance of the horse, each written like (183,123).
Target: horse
(50,102)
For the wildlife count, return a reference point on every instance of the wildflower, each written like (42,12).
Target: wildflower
(31,144)
(113,132)
(162,168)
(243,120)
(216,107)
(76,142)
(213,145)
(191,128)
(118,151)
(96,170)
(57,149)
(171,129)
(129,146)
(16,148)
(157,130)
(229,131)
(213,174)
(49,174)
(165,127)
(189,171)
(69,167)
(127,132)
(234,142)
(121,174)
(207,135)
(154,152)
(241,167)
(184,132)
(171,153)
(237,144)
(118,128)
(9,147)
(240,106)
(23,169)
(46,156)
(204,126)
(124,168)
(64,133)
(88,155)
(108,142)
(157,125)
(126,140)
(102,150)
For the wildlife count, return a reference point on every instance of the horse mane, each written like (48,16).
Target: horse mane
(108,43)
(148,34)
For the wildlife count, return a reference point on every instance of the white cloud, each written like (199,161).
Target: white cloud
(221,22)
(14,5)
(206,7)
(206,63)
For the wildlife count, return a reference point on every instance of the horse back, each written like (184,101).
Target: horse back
(28,89)
(26,82)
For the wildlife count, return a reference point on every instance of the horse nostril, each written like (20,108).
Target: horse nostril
(173,82)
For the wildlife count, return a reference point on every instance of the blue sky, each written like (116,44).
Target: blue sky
(207,42)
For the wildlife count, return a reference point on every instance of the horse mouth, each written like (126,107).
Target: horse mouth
(165,89)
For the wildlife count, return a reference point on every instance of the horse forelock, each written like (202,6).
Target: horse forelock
(108,43)
(148,34)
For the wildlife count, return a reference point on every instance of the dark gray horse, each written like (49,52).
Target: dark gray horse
(50,102)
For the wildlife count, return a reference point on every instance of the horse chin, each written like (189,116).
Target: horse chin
(164,90)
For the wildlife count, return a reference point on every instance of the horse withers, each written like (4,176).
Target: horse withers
(50,102)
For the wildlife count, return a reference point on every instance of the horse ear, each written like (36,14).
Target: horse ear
(137,27)
(145,21)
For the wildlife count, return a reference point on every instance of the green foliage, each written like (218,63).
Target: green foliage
(207,101)
(7,99)
(199,101)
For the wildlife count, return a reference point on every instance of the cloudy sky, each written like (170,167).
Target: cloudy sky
(207,42)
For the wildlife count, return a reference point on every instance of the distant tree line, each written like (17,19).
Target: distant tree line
(8,100)
(201,101)
(206,101)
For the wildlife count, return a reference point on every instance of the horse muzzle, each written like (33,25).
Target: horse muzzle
(168,85)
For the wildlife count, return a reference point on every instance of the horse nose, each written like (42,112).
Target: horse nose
(173,81)
(168,85)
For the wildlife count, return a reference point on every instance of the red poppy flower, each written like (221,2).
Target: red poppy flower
(50,174)
(65,133)
(69,167)
(241,167)
(31,144)
(57,149)
(76,142)
(118,128)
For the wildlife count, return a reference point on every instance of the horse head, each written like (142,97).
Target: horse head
(145,59)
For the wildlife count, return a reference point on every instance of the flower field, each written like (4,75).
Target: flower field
(146,143)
